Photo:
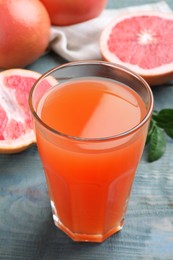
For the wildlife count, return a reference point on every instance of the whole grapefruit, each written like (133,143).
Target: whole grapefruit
(24,32)
(143,42)
(67,12)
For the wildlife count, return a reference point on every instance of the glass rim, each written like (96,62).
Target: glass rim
(93,139)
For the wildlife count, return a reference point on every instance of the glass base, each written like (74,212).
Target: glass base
(86,237)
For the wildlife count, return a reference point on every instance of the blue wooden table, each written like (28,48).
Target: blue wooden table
(27,230)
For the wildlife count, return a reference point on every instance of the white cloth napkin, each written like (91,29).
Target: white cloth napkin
(81,41)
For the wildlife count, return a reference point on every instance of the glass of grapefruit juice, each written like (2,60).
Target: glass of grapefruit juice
(91,122)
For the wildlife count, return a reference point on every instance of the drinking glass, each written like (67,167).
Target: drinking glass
(89,178)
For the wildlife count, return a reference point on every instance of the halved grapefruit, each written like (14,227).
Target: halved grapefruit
(143,42)
(16,124)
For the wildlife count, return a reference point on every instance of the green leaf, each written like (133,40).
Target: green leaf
(164,116)
(157,144)
(150,130)
(161,124)
(169,129)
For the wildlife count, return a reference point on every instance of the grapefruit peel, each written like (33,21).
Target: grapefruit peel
(152,40)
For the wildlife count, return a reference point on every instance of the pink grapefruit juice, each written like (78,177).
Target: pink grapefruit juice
(89,171)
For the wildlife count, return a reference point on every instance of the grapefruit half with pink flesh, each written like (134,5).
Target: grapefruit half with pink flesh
(143,42)
(16,123)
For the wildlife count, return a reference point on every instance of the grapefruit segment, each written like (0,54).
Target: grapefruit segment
(143,42)
(16,124)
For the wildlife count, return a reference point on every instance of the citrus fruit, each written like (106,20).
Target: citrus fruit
(69,12)
(143,42)
(24,30)
(16,124)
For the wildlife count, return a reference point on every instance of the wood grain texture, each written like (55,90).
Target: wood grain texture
(27,231)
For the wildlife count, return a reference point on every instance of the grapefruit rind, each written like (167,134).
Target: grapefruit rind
(18,145)
(28,138)
(153,76)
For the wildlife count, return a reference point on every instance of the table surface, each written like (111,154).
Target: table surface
(26,227)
